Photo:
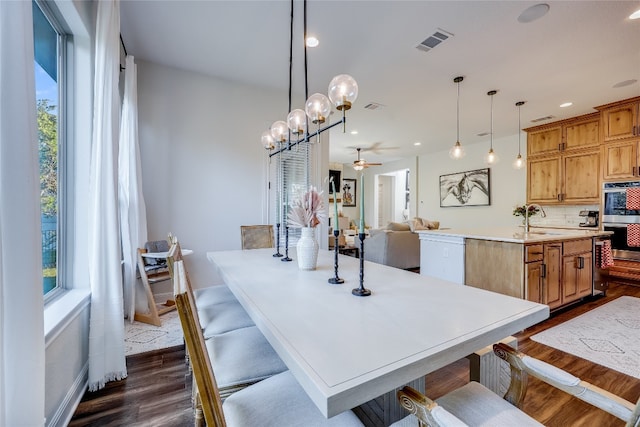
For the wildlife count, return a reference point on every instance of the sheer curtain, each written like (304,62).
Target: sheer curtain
(21,298)
(106,329)
(133,213)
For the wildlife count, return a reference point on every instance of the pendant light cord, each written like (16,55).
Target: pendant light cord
(519,126)
(491,145)
(290,55)
(458,114)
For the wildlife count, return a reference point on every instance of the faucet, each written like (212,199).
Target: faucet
(526,214)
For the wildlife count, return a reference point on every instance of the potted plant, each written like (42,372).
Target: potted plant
(306,213)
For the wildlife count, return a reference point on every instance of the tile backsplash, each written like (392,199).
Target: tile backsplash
(561,216)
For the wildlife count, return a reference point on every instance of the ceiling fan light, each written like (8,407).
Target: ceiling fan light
(279,131)
(267,140)
(317,108)
(457,151)
(297,121)
(518,163)
(358,167)
(343,91)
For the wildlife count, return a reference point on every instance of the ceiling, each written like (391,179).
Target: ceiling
(577,53)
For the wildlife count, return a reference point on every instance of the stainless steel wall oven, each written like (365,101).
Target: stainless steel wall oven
(616,217)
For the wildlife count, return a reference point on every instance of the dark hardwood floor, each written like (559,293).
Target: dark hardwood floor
(157,391)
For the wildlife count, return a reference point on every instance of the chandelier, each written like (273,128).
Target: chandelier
(342,92)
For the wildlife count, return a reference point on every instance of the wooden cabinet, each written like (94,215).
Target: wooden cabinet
(564,162)
(534,256)
(620,160)
(552,279)
(577,271)
(620,120)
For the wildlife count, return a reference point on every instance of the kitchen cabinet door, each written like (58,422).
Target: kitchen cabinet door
(545,141)
(620,160)
(577,277)
(582,134)
(552,281)
(535,272)
(544,180)
(581,178)
(620,122)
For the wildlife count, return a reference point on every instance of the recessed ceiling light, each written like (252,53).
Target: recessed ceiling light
(417,143)
(354,132)
(635,15)
(534,12)
(312,41)
(566,104)
(625,83)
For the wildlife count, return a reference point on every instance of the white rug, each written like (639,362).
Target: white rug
(141,337)
(608,335)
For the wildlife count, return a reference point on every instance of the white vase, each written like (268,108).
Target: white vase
(307,249)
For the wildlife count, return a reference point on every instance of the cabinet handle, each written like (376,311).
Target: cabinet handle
(581,262)
(543,273)
(558,196)
(560,146)
(633,171)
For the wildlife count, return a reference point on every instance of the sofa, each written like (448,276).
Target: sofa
(397,245)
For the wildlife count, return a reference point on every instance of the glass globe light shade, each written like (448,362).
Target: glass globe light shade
(279,131)
(457,151)
(358,167)
(297,121)
(267,140)
(343,91)
(518,163)
(318,108)
(491,158)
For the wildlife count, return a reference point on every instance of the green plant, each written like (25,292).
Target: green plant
(522,210)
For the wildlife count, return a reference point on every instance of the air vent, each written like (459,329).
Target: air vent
(484,134)
(434,40)
(372,106)
(542,119)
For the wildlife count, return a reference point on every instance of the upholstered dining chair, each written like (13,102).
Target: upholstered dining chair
(475,405)
(257,236)
(242,356)
(275,401)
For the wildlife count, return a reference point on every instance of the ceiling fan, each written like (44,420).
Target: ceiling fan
(360,164)
(375,148)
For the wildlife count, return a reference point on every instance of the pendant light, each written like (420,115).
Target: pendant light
(518,163)
(457,151)
(491,158)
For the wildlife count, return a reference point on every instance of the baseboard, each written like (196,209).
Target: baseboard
(65,411)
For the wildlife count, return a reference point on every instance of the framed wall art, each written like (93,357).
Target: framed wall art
(349,192)
(470,188)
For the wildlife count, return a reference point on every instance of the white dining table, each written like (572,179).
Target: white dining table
(346,350)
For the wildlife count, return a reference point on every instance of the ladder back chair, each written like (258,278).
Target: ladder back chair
(475,405)
(153,270)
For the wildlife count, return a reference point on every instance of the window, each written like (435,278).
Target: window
(48,61)
(295,165)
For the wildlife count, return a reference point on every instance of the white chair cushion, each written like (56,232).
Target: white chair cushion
(477,406)
(213,295)
(279,401)
(243,356)
(224,317)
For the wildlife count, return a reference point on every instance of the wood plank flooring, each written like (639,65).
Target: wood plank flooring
(158,389)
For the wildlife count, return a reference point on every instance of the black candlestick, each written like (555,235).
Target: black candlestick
(277,254)
(286,244)
(361,291)
(336,280)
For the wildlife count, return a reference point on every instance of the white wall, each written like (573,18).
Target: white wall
(204,170)
(508,186)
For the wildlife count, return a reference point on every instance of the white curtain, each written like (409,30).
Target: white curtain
(106,329)
(133,213)
(21,297)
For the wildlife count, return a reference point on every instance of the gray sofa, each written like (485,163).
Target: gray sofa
(400,249)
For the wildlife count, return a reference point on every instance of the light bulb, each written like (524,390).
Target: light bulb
(518,163)
(279,131)
(358,167)
(343,91)
(267,140)
(491,157)
(457,151)
(317,108)
(297,121)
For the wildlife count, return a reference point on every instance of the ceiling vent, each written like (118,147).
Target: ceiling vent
(542,119)
(484,133)
(434,40)
(372,106)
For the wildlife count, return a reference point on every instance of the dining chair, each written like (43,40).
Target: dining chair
(242,356)
(473,404)
(257,236)
(276,401)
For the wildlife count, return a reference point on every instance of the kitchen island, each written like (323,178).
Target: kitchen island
(550,266)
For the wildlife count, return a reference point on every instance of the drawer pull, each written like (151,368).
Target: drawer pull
(543,272)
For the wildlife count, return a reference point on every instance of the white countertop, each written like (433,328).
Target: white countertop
(346,350)
(515,234)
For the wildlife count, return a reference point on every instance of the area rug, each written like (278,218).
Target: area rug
(141,337)
(608,335)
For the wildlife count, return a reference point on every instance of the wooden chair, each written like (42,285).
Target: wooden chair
(153,270)
(257,236)
(242,356)
(276,401)
(475,405)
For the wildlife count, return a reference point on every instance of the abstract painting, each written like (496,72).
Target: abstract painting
(470,188)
